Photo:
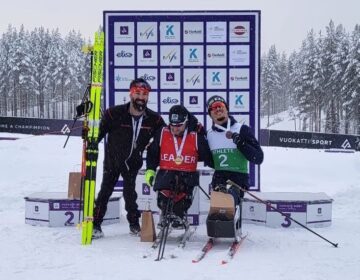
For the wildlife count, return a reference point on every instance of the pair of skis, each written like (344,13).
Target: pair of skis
(91,123)
(233,249)
(181,243)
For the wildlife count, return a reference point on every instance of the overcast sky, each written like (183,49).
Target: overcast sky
(284,23)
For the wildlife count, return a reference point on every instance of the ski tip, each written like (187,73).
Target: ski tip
(194,261)
(224,262)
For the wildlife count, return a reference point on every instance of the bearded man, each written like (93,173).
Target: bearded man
(129,128)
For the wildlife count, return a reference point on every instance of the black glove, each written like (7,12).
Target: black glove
(221,188)
(238,139)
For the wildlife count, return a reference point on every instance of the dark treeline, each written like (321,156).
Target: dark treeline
(319,85)
(42,75)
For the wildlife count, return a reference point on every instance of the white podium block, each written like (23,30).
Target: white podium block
(148,197)
(309,209)
(54,209)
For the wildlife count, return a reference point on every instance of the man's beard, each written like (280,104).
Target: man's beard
(139,105)
(221,119)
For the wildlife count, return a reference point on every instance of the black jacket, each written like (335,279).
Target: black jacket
(167,179)
(116,123)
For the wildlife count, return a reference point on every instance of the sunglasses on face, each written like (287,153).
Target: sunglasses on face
(217,105)
(177,124)
(139,90)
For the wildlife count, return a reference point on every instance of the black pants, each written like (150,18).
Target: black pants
(220,177)
(181,206)
(107,187)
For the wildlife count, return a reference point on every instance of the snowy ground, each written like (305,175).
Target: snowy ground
(40,164)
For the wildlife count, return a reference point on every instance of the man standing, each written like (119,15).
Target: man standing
(232,146)
(176,149)
(129,128)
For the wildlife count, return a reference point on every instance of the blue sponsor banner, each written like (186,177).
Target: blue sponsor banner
(310,140)
(187,57)
(40,126)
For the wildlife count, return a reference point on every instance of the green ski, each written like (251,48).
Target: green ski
(91,149)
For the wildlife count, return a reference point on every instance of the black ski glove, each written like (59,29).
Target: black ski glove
(238,139)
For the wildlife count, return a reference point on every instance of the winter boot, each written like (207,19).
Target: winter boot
(97,232)
(162,222)
(135,228)
(180,223)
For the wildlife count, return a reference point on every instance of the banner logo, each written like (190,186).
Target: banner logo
(65,129)
(148,33)
(169,30)
(124,30)
(346,144)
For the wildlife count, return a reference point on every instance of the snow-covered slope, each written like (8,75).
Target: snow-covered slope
(39,163)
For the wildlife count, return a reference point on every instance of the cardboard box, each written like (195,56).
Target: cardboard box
(222,204)
(54,209)
(74,187)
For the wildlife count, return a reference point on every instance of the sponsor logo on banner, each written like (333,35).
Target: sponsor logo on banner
(145,189)
(170,55)
(216,78)
(193,55)
(216,31)
(194,78)
(148,78)
(65,129)
(124,55)
(149,75)
(239,101)
(123,32)
(346,144)
(193,100)
(239,55)
(147,32)
(215,55)
(193,32)
(169,99)
(239,78)
(120,78)
(147,53)
(170,31)
(170,78)
(239,31)
(123,77)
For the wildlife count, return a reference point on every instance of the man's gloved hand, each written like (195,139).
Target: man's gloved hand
(149,177)
(221,188)
(238,139)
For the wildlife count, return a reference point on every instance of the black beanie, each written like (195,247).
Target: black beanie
(213,99)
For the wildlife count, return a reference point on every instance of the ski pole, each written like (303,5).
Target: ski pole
(165,229)
(267,203)
(204,192)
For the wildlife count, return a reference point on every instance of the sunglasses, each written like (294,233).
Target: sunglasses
(177,124)
(217,105)
(139,89)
